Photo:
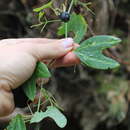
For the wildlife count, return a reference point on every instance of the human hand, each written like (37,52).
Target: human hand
(18,60)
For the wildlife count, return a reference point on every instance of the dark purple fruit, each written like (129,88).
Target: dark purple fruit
(64,16)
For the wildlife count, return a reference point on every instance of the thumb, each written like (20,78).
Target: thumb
(53,49)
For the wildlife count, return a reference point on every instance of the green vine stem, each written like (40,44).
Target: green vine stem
(70,7)
(66,30)
(66,25)
(39,100)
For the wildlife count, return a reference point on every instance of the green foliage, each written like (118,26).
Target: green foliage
(48,5)
(118,110)
(90,52)
(110,83)
(114,90)
(17,123)
(77,25)
(40,15)
(51,112)
(29,86)
(42,71)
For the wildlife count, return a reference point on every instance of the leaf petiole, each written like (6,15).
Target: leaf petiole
(66,30)
(39,100)
(37,25)
(71,4)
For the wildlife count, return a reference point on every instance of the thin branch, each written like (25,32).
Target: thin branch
(70,7)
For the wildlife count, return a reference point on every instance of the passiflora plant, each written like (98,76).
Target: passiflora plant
(89,53)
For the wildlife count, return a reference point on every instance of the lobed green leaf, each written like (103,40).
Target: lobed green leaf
(90,52)
(29,86)
(51,112)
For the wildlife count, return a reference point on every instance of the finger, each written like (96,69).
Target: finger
(6,101)
(52,50)
(8,42)
(16,111)
(69,59)
(65,61)
(36,40)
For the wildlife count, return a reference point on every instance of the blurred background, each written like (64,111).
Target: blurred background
(92,99)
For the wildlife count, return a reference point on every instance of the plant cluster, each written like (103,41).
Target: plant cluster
(89,53)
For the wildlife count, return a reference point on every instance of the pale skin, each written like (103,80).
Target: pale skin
(18,60)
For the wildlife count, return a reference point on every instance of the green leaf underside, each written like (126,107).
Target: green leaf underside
(51,112)
(48,5)
(17,123)
(90,52)
(29,86)
(42,71)
(77,25)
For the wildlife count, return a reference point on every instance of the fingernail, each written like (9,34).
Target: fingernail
(69,48)
(67,43)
